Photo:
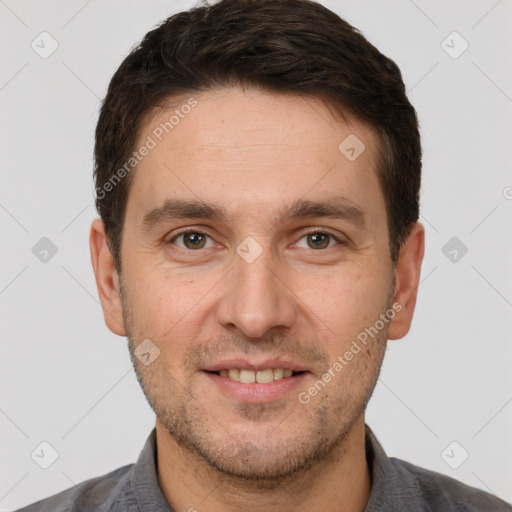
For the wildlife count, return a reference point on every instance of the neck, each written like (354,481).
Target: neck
(189,483)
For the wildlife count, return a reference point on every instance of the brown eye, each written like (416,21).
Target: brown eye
(194,240)
(319,240)
(191,240)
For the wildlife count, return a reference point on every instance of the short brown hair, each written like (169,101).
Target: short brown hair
(285,46)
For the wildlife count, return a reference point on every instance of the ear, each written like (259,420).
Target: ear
(107,279)
(407,279)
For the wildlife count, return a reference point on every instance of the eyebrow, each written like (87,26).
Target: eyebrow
(337,207)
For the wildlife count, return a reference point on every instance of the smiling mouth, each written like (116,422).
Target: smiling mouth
(253,376)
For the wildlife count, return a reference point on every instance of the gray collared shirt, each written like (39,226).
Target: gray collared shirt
(397,486)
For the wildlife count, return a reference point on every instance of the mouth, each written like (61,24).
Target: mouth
(247,376)
(256,380)
(250,382)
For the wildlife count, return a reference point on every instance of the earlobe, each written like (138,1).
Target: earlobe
(107,279)
(407,278)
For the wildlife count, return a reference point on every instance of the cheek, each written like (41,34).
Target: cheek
(167,305)
(155,301)
(346,303)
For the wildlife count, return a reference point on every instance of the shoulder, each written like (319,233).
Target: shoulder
(443,493)
(110,491)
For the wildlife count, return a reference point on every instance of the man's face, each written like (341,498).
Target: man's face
(256,288)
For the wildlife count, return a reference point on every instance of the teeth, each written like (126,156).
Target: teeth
(278,373)
(265,376)
(247,376)
(251,376)
(233,374)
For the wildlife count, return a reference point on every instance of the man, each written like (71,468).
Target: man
(257,175)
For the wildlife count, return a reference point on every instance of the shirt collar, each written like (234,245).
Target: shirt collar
(394,486)
(145,485)
(386,480)
(380,469)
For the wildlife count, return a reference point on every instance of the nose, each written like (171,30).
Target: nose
(256,297)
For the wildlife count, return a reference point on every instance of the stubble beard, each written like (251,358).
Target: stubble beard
(243,461)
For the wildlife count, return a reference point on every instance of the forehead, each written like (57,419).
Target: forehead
(252,147)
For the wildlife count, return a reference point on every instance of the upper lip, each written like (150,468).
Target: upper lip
(253,364)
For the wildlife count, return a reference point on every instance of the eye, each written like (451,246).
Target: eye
(319,240)
(196,240)
(192,240)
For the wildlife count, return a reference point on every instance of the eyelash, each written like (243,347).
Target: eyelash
(313,232)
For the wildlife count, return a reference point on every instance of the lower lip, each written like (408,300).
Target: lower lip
(255,393)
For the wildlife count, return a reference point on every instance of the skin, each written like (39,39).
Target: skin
(253,152)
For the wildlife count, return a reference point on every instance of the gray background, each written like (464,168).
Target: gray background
(67,380)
